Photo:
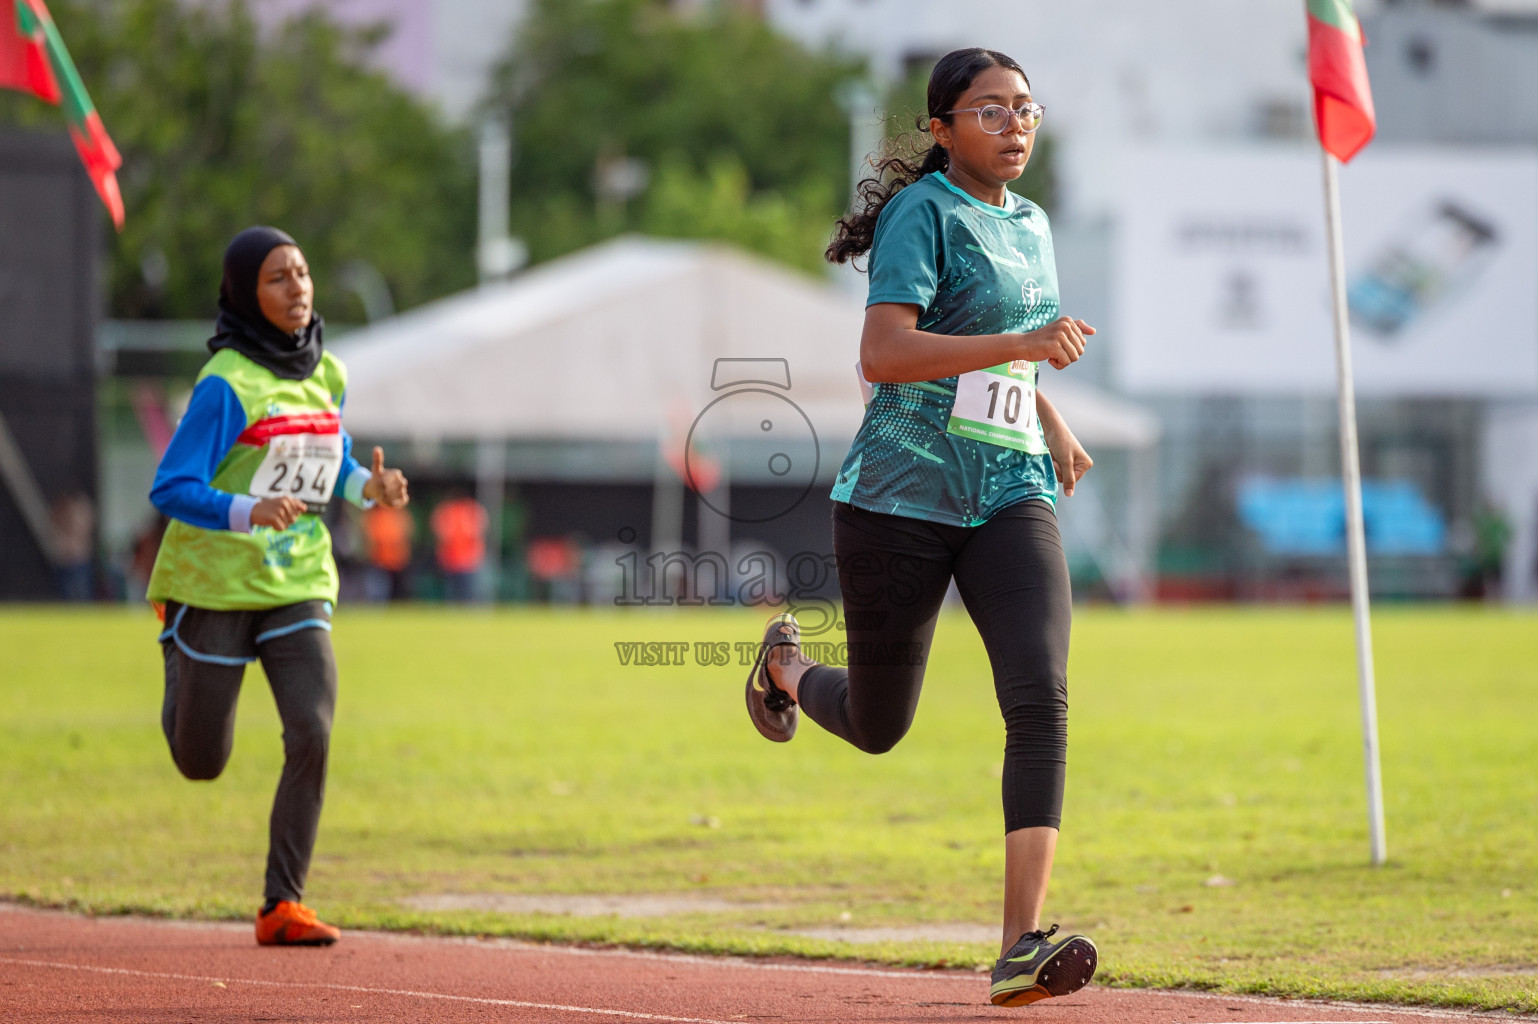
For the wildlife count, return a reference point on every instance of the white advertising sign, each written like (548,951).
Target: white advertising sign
(1222,281)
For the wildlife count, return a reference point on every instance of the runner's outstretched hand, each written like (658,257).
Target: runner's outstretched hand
(386,486)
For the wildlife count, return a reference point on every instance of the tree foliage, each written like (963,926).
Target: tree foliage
(736,126)
(222,126)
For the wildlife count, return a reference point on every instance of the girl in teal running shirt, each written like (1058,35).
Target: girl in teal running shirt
(953,475)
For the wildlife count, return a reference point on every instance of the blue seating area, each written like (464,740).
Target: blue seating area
(1306,517)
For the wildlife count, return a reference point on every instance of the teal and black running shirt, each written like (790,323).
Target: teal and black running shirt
(971,268)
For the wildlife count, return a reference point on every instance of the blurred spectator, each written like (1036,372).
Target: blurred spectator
(459,524)
(389,532)
(349,545)
(1492,536)
(146,545)
(1482,546)
(554,565)
(74,540)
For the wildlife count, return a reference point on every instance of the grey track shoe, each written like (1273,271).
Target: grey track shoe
(773,712)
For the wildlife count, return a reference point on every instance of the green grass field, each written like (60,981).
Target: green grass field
(511,753)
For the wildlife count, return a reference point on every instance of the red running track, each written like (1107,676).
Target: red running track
(67,969)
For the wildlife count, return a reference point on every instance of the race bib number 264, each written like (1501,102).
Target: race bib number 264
(302,466)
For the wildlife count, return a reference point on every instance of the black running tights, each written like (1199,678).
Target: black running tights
(199,722)
(1012,576)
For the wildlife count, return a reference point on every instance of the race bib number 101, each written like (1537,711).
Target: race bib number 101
(302,466)
(998,405)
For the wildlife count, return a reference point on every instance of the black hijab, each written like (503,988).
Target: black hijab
(242,326)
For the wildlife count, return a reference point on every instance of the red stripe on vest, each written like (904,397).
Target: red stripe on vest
(262,431)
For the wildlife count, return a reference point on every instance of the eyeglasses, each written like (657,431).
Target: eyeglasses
(994,118)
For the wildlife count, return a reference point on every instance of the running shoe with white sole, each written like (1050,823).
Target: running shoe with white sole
(1037,968)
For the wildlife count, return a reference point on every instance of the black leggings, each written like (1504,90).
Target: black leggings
(1013,578)
(198,715)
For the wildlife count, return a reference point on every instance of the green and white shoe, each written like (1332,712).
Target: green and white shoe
(1037,968)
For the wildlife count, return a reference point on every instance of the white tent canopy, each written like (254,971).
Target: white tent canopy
(609,344)
(590,366)
(619,342)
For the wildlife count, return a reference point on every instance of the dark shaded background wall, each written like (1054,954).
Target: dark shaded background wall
(49,307)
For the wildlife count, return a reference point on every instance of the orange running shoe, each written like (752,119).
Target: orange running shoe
(293,924)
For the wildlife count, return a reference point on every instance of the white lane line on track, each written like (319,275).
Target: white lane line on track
(1343,1006)
(887,973)
(913,974)
(481,1000)
(975,978)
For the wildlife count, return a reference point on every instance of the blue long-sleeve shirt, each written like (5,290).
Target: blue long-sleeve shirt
(213,422)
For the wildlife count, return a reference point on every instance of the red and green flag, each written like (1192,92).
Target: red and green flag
(1336,67)
(33,60)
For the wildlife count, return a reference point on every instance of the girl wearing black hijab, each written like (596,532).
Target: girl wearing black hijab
(245,571)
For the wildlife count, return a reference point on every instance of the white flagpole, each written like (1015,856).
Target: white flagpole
(1356,538)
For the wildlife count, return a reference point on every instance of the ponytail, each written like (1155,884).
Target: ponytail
(855,233)
(952,76)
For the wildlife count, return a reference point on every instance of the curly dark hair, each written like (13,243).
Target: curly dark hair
(951,77)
